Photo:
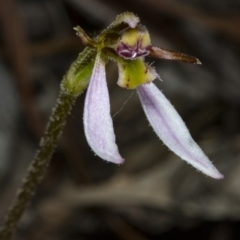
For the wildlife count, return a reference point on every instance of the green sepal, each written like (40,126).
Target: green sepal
(133,73)
(112,34)
(77,78)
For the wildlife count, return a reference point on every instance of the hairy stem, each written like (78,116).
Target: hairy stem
(73,84)
(39,164)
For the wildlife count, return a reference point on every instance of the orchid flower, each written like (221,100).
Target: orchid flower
(127,42)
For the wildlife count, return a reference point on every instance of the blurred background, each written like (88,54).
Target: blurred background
(153,195)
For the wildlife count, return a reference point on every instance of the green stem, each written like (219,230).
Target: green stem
(73,84)
(39,164)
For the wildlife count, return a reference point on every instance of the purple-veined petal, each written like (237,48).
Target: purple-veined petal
(97,120)
(134,43)
(171,129)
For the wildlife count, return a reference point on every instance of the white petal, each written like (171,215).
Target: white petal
(169,126)
(98,123)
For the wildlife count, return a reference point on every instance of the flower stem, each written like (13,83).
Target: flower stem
(39,164)
(73,84)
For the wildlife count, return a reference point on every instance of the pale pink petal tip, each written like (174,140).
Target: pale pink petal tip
(132,22)
(219,176)
(129,18)
(98,125)
(171,129)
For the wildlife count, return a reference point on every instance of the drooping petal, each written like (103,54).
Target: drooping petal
(169,126)
(98,123)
